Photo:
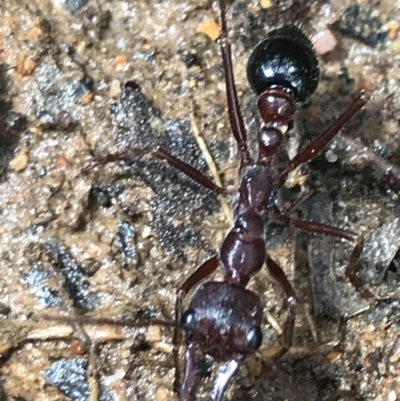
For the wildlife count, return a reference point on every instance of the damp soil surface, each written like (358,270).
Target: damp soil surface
(84,233)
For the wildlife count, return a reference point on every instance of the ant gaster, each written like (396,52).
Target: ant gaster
(223,319)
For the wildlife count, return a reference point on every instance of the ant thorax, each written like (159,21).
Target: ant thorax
(258,190)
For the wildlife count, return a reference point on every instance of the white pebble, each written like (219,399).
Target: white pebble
(115,88)
(324,42)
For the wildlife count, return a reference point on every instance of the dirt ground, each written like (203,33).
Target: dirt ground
(83,79)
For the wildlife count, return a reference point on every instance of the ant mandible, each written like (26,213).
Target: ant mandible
(223,319)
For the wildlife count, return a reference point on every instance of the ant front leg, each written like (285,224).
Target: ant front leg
(207,268)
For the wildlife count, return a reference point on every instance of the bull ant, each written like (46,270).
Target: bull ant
(223,318)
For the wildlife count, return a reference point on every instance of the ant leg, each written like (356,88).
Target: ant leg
(324,229)
(221,382)
(279,275)
(319,228)
(350,271)
(190,374)
(318,144)
(235,114)
(208,267)
(190,171)
(104,160)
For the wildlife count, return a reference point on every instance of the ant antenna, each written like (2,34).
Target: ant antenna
(114,322)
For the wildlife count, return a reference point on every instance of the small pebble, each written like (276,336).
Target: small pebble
(295,178)
(19,162)
(331,156)
(121,59)
(146,232)
(324,42)
(334,356)
(391,127)
(115,88)
(392,396)
(163,394)
(80,49)
(164,347)
(26,66)
(266,4)
(87,98)
(393,28)
(209,28)
(153,334)
(61,161)
(76,349)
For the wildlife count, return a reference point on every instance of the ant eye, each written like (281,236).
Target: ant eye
(189,321)
(254,338)
(188,318)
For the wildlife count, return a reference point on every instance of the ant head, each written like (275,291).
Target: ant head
(285,59)
(224,320)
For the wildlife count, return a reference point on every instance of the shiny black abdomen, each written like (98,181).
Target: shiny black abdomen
(284,59)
